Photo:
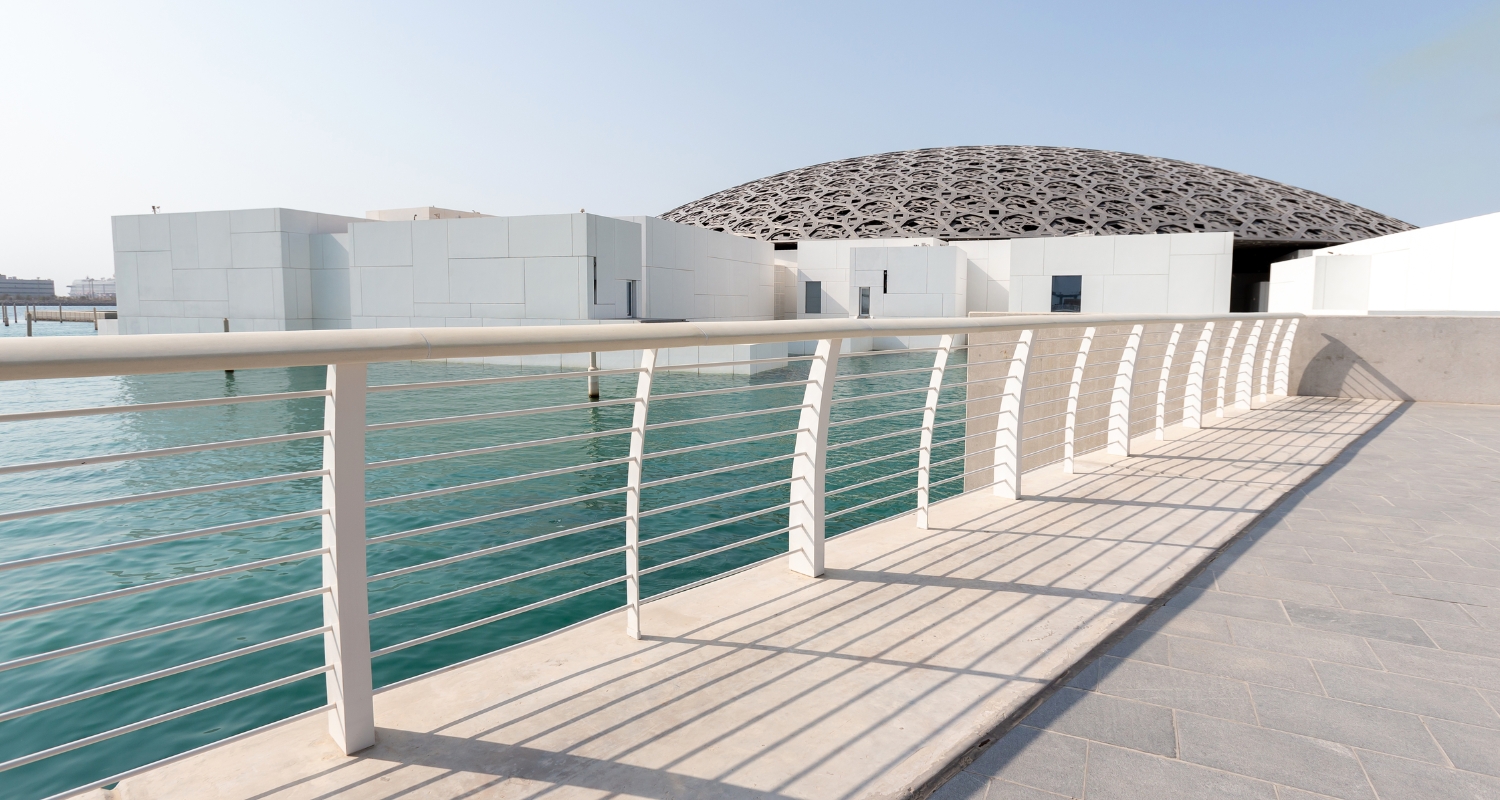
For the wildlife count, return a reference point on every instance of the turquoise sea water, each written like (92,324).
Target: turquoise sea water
(80,436)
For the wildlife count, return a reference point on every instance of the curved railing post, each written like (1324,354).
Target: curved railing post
(1070,419)
(1265,361)
(929,418)
(1119,399)
(1192,393)
(1234,337)
(1007,473)
(805,517)
(1243,387)
(1284,359)
(633,494)
(1161,384)
(346,608)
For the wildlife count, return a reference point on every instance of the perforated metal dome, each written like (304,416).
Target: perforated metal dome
(1010,191)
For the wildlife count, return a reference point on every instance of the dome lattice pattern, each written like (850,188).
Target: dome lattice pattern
(1006,191)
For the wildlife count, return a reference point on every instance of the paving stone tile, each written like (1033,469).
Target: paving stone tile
(1488,618)
(1464,639)
(1086,677)
(1463,574)
(1280,552)
(1176,688)
(1386,564)
(1118,774)
(1441,590)
(1436,555)
(1319,573)
(1289,793)
(1407,693)
(1357,623)
(1401,606)
(1320,645)
(1229,605)
(1404,779)
(1343,529)
(1460,668)
(1284,758)
(1005,790)
(1341,721)
(1187,622)
(1447,536)
(1142,645)
(1109,719)
(1301,539)
(1474,558)
(963,786)
(1385,523)
(1243,663)
(1277,589)
(1469,747)
(1036,758)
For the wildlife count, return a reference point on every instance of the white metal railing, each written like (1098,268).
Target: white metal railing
(1059,386)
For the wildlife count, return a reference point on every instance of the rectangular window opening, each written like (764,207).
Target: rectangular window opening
(885,281)
(864,302)
(1067,293)
(814,300)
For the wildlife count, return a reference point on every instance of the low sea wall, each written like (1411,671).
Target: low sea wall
(1430,359)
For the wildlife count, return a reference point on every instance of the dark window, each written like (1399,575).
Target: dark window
(630,299)
(1067,292)
(885,281)
(814,303)
(784,246)
(864,301)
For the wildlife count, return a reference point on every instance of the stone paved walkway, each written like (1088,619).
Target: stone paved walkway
(1348,646)
(871,681)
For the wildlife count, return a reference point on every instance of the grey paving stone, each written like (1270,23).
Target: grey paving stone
(1464,639)
(1277,589)
(1104,718)
(1321,573)
(1471,748)
(1463,574)
(1407,693)
(1086,677)
(963,786)
(1229,605)
(1341,721)
(1280,552)
(1186,622)
(1357,623)
(1401,606)
(1383,564)
(1461,668)
(1119,774)
(1306,539)
(1487,617)
(1477,559)
(1386,523)
(1289,793)
(1142,645)
(1177,688)
(1343,529)
(1448,536)
(1324,646)
(1036,758)
(1403,779)
(1284,758)
(1246,664)
(1005,790)
(1441,590)
(1414,552)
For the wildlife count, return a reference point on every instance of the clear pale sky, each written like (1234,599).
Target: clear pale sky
(635,108)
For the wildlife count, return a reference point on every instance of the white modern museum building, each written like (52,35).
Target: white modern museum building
(925,233)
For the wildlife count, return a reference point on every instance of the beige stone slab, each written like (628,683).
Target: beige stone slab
(866,682)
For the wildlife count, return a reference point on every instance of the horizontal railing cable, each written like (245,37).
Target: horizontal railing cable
(712,498)
(714,551)
(727,390)
(715,524)
(861,506)
(868,439)
(759,437)
(468,487)
(37,658)
(163,406)
(169,537)
(427,601)
(160,718)
(876,459)
(162,495)
(488,415)
(723,417)
(110,458)
(545,376)
(495,448)
(881,479)
(717,470)
(22,613)
(741,362)
(512,512)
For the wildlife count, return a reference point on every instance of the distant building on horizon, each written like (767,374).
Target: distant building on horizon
(26,287)
(92,287)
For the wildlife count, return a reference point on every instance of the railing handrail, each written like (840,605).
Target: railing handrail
(86,357)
